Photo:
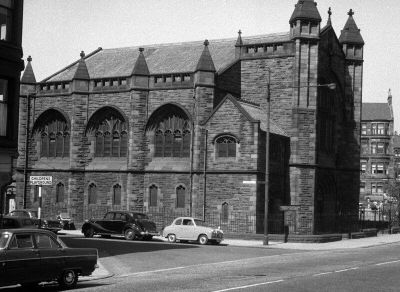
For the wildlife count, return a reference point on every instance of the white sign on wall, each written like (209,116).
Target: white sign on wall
(35,180)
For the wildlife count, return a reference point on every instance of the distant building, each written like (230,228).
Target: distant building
(11,66)
(396,153)
(378,151)
(181,128)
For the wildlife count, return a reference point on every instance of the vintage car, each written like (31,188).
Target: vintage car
(44,223)
(7,222)
(192,229)
(131,225)
(31,256)
(66,221)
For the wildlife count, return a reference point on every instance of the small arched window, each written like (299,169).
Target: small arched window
(180,197)
(225,212)
(92,194)
(153,192)
(226,146)
(59,193)
(117,195)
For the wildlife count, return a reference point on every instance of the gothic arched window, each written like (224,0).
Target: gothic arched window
(54,134)
(180,197)
(153,192)
(226,146)
(92,194)
(172,133)
(108,129)
(116,195)
(225,212)
(59,193)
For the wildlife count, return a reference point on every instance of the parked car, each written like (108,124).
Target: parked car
(31,256)
(44,223)
(131,225)
(66,221)
(7,222)
(192,229)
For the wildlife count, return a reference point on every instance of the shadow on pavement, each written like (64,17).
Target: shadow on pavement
(114,246)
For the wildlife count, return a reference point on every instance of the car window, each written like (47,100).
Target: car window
(10,223)
(3,239)
(16,213)
(109,216)
(187,222)
(23,241)
(200,222)
(27,222)
(45,241)
(140,216)
(178,222)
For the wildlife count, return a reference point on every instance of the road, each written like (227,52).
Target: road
(159,266)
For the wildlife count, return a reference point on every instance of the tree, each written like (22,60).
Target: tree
(393,199)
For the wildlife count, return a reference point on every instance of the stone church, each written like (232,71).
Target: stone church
(181,128)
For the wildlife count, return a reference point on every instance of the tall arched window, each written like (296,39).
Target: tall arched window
(53,129)
(225,212)
(180,197)
(108,130)
(92,194)
(59,193)
(172,133)
(226,146)
(116,195)
(153,192)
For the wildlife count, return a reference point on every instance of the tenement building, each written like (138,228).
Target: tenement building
(378,152)
(182,128)
(11,65)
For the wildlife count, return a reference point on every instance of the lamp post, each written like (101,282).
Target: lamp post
(331,86)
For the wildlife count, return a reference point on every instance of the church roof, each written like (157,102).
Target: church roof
(376,111)
(350,32)
(161,58)
(258,114)
(305,9)
(28,77)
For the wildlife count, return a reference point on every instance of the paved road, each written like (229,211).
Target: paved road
(158,266)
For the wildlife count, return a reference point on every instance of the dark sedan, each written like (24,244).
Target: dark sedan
(48,224)
(31,256)
(7,222)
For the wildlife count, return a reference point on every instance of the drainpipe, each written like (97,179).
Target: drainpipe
(26,149)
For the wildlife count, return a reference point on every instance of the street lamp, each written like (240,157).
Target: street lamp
(331,86)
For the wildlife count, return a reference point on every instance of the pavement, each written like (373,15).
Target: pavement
(381,239)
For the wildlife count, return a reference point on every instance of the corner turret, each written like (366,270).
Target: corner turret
(28,80)
(140,72)
(351,39)
(305,20)
(205,69)
(80,81)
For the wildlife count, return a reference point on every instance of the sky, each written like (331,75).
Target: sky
(56,31)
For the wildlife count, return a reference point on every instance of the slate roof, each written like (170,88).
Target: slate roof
(350,33)
(305,9)
(376,111)
(258,114)
(162,58)
(28,77)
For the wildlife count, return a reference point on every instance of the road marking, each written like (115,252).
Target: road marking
(200,265)
(386,263)
(249,286)
(345,270)
(320,274)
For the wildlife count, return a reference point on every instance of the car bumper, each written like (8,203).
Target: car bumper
(149,233)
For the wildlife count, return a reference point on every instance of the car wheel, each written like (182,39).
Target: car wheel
(129,234)
(68,279)
(88,232)
(203,239)
(171,238)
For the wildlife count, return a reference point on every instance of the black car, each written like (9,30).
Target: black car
(48,224)
(7,222)
(66,221)
(31,256)
(131,225)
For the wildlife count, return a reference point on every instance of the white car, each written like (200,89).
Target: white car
(192,229)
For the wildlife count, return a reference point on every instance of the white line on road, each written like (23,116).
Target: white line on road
(320,274)
(345,270)
(248,286)
(386,263)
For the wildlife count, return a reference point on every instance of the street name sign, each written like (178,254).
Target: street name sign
(36,180)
